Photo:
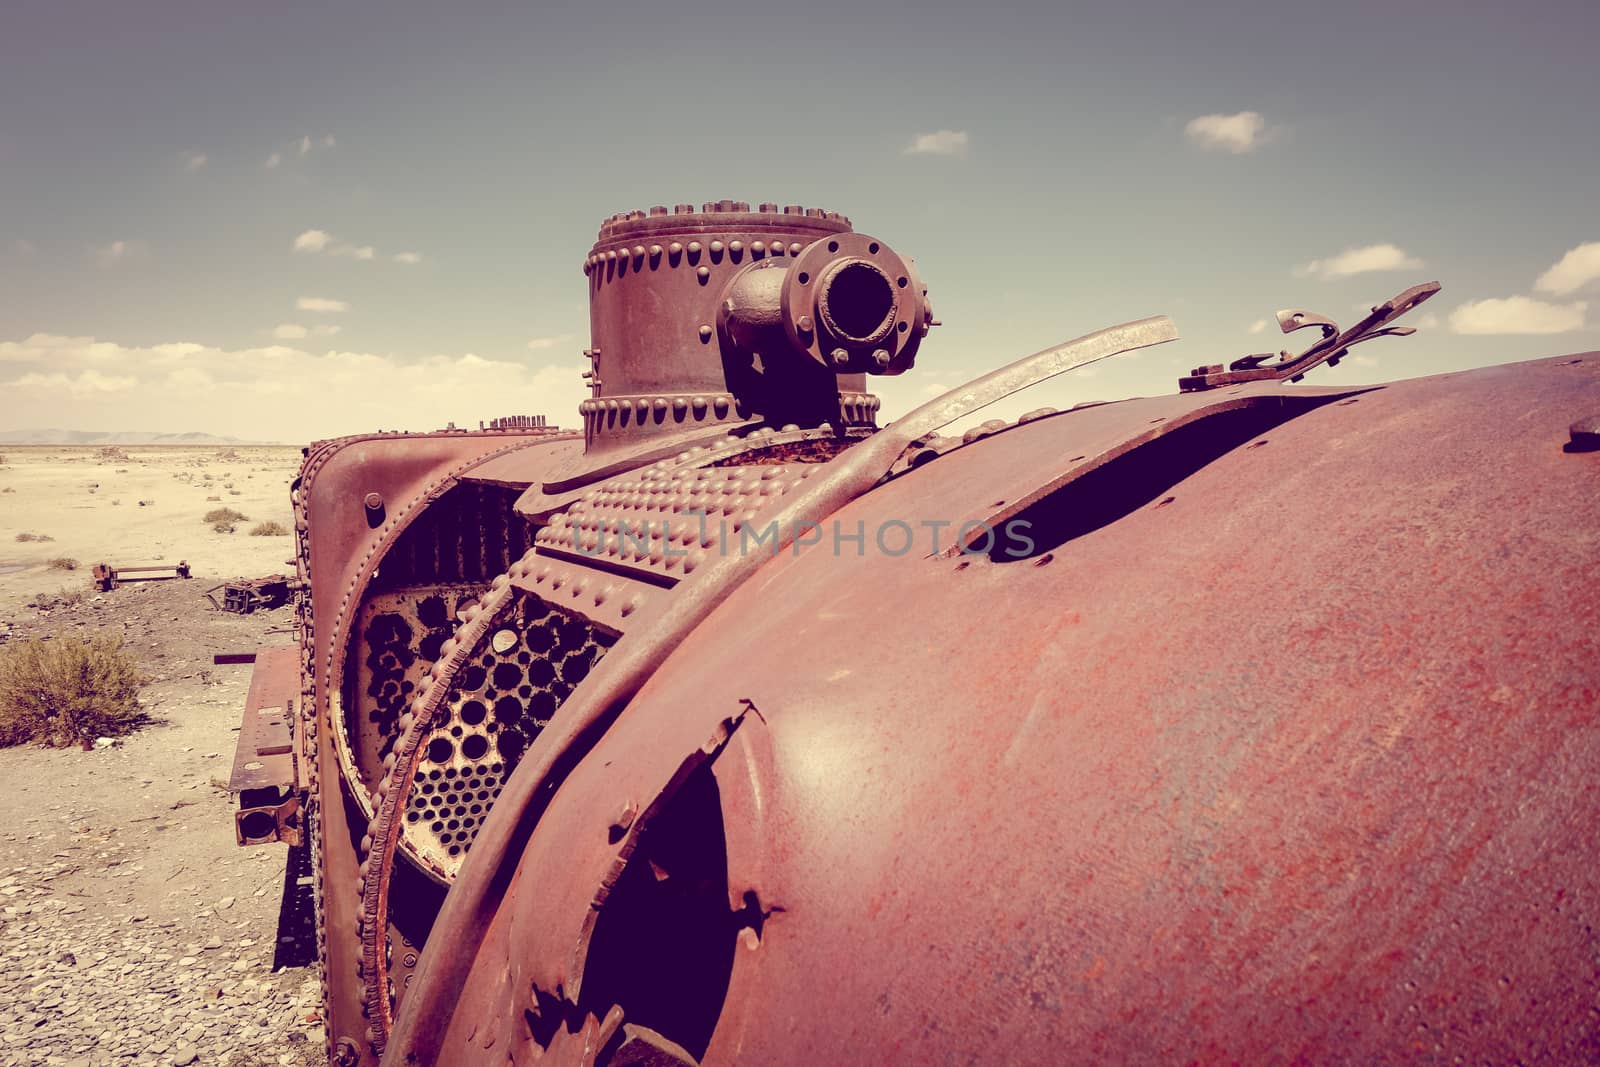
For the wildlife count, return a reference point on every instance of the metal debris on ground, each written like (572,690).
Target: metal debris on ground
(107,577)
(243,596)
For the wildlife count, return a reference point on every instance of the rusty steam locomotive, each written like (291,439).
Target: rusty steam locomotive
(1252,723)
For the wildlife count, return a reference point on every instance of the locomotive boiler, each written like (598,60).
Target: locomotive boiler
(1252,723)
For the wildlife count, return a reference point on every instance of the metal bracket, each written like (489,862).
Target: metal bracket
(1330,349)
(268,775)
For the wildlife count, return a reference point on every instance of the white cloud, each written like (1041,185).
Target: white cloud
(289,331)
(273,392)
(193,161)
(109,255)
(318,303)
(305,145)
(1578,268)
(1364,361)
(1237,133)
(1259,326)
(1361,260)
(1430,321)
(312,241)
(81,384)
(939,143)
(274,159)
(543,344)
(1518,315)
(323,241)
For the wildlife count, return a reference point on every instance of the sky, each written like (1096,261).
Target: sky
(286,222)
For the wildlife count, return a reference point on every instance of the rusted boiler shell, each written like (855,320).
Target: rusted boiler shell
(1290,760)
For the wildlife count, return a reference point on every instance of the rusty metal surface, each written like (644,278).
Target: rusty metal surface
(613,683)
(1270,744)
(346,540)
(1330,348)
(1297,766)
(676,350)
(252,594)
(266,776)
(107,577)
(355,499)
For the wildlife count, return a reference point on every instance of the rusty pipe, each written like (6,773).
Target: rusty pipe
(849,304)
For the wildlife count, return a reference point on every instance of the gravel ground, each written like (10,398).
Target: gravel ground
(132,929)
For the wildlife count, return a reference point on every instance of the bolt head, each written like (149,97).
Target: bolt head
(840,357)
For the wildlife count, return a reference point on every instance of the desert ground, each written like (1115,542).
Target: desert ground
(132,929)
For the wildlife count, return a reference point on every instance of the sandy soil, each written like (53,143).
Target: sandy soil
(89,503)
(132,929)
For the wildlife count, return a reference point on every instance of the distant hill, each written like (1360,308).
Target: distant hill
(120,437)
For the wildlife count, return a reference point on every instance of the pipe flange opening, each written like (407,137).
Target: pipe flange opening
(857,302)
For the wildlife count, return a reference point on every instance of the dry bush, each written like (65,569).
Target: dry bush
(227,453)
(113,453)
(63,563)
(34,537)
(64,692)
(269,529)
(224,515)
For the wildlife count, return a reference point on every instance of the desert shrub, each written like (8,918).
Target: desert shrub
(113,454)
(227,453)
(34,537)
(64,691)
(269,529)
(64,563)
(224,515)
